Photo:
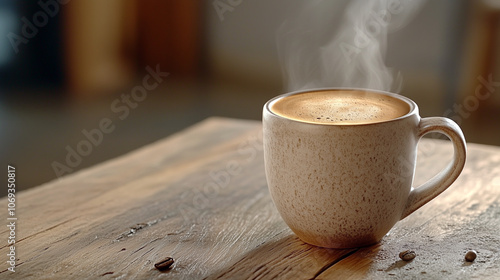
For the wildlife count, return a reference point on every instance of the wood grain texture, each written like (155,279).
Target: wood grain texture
(200,196)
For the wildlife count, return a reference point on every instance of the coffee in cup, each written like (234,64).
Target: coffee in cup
(340,107)
(340,162)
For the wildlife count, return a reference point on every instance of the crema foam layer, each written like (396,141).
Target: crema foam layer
(340,107)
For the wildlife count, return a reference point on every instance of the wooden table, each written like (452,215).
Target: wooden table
(200,196)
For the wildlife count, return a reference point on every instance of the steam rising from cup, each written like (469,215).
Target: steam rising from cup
(313,55)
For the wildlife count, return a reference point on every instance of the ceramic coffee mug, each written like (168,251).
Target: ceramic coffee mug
(340,162)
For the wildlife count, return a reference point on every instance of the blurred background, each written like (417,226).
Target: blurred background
(67,65)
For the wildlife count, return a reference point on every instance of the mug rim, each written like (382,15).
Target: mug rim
(412,111)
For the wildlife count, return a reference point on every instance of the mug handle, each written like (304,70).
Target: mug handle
(436,185)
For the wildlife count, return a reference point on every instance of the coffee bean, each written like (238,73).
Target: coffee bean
(164,264)
(407,255)
(470,256)
(403,253)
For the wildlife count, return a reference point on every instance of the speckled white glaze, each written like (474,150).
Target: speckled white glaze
(342,186)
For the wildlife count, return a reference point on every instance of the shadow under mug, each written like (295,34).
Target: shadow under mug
(346,185)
